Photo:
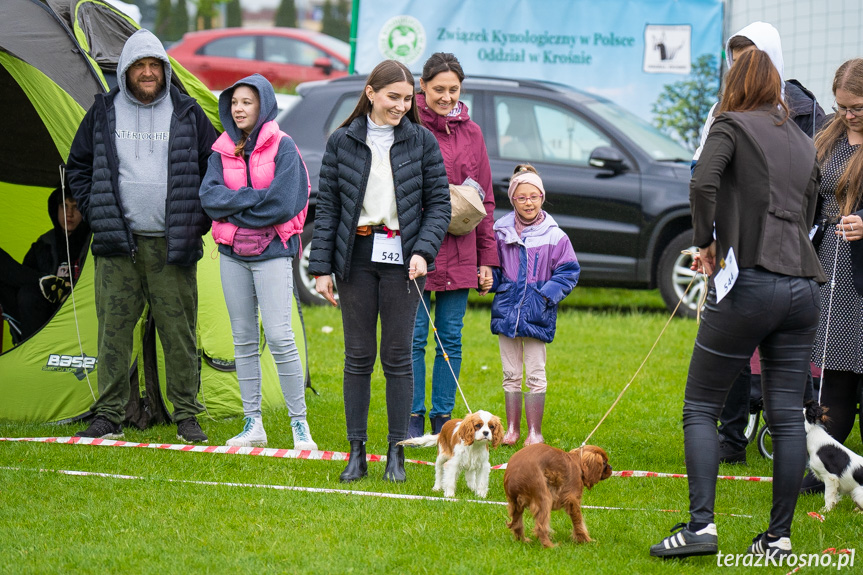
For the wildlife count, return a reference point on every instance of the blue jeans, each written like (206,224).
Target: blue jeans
(268,285)
(779,315)
(449,312)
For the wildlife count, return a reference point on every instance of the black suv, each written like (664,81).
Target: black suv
(614,183)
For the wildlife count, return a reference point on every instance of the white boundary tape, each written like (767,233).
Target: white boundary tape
(323,490)
(305,454)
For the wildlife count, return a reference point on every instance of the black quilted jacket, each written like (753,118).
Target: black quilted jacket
(422,195)
(93,179)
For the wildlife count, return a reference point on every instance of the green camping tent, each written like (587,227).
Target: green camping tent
(55,55)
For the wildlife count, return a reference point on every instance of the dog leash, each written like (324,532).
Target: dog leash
(73,281)
(637,371)
(829,310)
(440,343)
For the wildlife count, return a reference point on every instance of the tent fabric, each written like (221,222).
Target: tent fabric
(49,79)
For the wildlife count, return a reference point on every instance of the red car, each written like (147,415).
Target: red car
(285,56)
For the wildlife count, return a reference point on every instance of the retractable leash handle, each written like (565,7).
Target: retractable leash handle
(440,343)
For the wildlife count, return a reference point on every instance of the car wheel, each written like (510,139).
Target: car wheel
(674,276)
(305,283)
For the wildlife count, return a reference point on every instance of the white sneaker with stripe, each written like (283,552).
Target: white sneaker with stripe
(761,546)
(686,543)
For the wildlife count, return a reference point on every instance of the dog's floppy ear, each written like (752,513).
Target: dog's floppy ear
(497,432)
(592,465)
(465,430)
(815,412)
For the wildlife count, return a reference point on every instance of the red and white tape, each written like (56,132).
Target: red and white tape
(307,454)
(324,490)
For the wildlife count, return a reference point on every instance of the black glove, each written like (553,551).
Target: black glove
(54,289)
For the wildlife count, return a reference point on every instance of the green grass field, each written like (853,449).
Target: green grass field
(179,512)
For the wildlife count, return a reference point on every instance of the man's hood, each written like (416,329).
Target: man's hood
(142,44)
(269,109)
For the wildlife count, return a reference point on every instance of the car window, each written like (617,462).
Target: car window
(281,50)
(342,111)
(660,146)
(536,131)
(232,47)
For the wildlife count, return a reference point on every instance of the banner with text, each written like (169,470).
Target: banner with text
(625,50)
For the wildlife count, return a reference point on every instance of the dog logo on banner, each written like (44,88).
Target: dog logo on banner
(668,49)
(402,38)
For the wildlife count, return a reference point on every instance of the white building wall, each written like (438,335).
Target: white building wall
(817,36)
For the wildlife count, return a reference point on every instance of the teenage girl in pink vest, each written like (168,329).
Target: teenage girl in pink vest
(257,192)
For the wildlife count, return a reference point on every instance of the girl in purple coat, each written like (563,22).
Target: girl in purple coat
(538,268)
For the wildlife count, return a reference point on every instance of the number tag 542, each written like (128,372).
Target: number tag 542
(387,250)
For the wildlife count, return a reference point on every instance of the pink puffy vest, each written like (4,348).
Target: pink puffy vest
(262,165)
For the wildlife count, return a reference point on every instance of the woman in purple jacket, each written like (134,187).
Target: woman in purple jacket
(461,258)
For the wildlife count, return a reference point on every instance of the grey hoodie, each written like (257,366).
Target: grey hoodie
(142,137)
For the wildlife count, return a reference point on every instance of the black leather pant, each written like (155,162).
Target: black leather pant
(377,290)
(779,315)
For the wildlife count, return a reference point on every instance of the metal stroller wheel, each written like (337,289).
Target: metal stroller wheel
(765,442)
(751,429)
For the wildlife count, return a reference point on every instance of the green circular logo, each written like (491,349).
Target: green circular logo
(402,38)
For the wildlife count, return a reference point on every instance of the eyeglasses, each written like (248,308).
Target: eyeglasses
(533,199)
(856,112)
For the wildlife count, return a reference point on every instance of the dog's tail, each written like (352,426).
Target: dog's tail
(427,440)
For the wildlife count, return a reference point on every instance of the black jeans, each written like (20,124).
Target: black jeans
(372,290)
(779,314)
(735,414)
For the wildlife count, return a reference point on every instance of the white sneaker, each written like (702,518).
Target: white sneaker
(253,434)
(303,436)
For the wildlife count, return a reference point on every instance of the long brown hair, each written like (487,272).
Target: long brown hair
(386,73)
(752,83)
(848,77)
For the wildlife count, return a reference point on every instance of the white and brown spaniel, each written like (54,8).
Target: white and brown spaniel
(541,478)
(463,445)
(838,467)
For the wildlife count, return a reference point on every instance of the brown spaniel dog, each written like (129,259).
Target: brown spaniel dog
(542,478)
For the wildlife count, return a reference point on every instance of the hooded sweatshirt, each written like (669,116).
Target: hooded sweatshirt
(285,197)
(47,255)
(804,110)
(142,135)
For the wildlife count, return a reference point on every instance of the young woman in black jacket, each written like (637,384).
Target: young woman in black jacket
(382,212)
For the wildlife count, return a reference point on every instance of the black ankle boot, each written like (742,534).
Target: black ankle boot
(395,470)
(437,423)
(357,466)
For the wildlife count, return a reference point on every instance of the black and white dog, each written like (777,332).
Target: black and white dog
(838,467)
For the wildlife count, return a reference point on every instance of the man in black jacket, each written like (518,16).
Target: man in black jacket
(135,167)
